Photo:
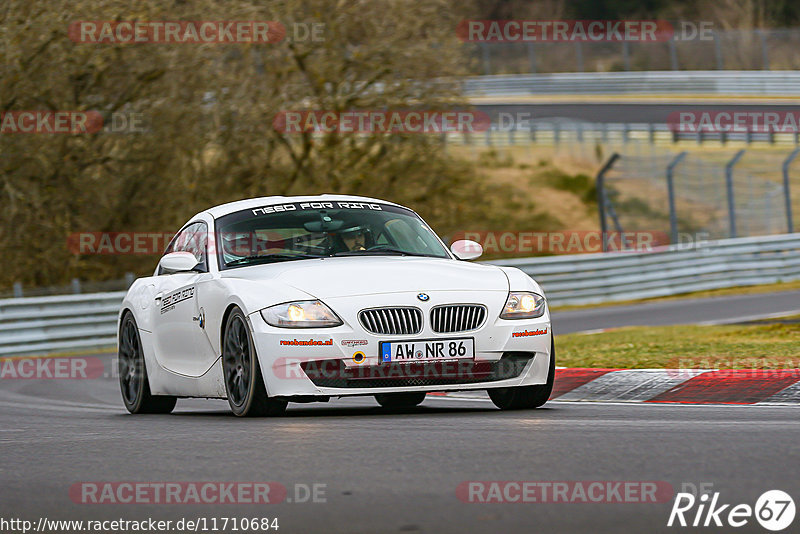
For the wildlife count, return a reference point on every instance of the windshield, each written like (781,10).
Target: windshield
(304,230)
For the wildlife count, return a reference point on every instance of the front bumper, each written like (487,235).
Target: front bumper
(344,360)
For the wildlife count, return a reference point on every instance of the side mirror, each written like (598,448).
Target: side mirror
(465,249)
(176,262)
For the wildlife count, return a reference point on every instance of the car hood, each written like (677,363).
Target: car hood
(351,276)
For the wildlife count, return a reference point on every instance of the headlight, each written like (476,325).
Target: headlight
(301,314)
(523,305)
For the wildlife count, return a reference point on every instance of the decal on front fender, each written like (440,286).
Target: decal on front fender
(168,303)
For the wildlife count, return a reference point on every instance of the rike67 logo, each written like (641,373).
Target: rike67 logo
(774,510)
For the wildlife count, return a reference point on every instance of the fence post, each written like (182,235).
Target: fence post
(487,67)
(673,54)
(626,55)
(129,279)
(76,286)
(787,190)
(718,51)
(764,52)
(532,57)
(601,198)
(673,215)
(579,55)
(731,199)
(18,290)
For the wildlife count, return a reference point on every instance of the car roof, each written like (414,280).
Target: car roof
(231,207)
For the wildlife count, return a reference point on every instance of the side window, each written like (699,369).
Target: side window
(194,239)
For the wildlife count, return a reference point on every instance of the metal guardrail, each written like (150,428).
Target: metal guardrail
(594,278)
(688,49)
(648,82)
(552,132)
(72,322)
(58,323)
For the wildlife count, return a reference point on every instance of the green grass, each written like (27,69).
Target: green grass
(769,345)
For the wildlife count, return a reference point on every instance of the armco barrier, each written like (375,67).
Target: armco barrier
(732,83)
(58,323)
(72,322)
(594,278)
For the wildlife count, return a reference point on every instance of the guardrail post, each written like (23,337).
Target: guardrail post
(673,216)
(651,130)
(18,290)
(76,286)
(729,186)
(601,198)
(129,279)
(533,130)
(787,190)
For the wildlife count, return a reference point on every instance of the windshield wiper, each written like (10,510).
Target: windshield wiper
(269,258)
(381,251)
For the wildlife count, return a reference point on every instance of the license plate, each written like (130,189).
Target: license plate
(429,350)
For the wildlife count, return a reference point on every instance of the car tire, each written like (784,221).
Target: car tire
(526,397)
(400,400)
(133,382)
(244,384)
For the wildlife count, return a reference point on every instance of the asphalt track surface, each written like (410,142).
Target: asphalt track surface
(713,310)
(386,472)
(395,472)
(620,112)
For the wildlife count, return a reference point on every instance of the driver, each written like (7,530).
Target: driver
(355,238)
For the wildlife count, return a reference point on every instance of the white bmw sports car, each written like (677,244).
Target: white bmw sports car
(299,299)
